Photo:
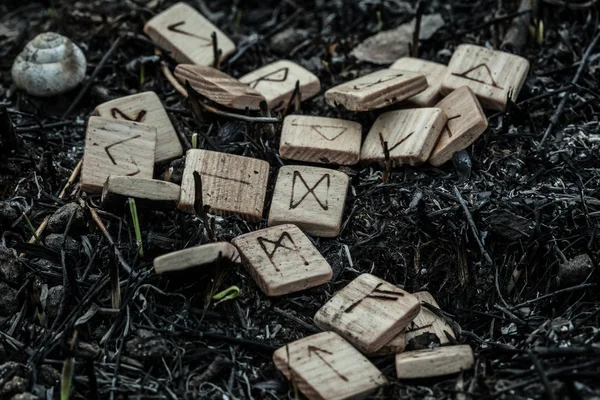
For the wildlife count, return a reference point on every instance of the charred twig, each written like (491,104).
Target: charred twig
(295,99)
(386,153)
(217,53)
(474,229)
(417,31)
(9,140)
(115,287)
(201,209)
(108,237)
(266,113)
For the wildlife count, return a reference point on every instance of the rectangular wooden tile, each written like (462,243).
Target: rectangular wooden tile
(196,256)
(320,140)
(277,81)
(428,322)
(311,198)
(231,184)
(187,34)
(116,147)
(466,122)
(282,260)
(411,135)
(146,108)
(491,74)
(369,312)
(434,73)
(376,90)
(325,366)
(439,361)
(149,193)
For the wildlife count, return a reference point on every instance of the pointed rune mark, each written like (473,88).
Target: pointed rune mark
(482,65)
(107,148)
(279,244)
(378,294)
(309,190)
(396,145)
(175,28)
(267,78)
(315,350)
(317,128)
(362,86)
(448,127)
(115,111)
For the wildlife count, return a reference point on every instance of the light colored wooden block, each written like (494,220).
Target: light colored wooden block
(410,135)
(187,34)
(320,140)
(466,122)
(150,193)
(376,90)
(277,81)
(219,87)
(491,74)
(231,184)
(434,73)
(434,362)
(311,198)
(369,312)
(282,260)
(395,346)
(116,147)
(325,366)
(195,257)
(428,322)
(146,108)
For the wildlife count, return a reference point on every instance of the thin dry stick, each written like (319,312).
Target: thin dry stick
(100,225)
(472,225)
(417,30)
(216,52)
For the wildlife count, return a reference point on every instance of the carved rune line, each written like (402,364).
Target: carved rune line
(115,111)
(361,86)
(268,77)
(277,245)
(227,178)
(112,159)
(310,190)
(482,65)
(318,128)
(448,126)
(382,142)
(175,28)
(378,294)
(315,350)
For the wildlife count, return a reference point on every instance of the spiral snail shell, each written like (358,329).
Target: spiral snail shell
(50,64)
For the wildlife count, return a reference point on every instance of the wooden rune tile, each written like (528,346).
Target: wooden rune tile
(491,74)
(150,193)
(369,312)
(320,140)
(311,198)
(411,135)
(325,366)
(428,322)
(146,108)
(439,361)
(277,81)
(219,87)
(116,147)
(434,73)
(466,122)
(187,35)
(376,90)
(196,256)
(282,260)
(231,184)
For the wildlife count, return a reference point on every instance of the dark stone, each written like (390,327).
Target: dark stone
(58,221)
(8,213)
(286,40)
(574,271)
(49,375)
(146,346)
(423,341)
(16,383)
(8,300)
(53,301)
(55,242)
(10,269)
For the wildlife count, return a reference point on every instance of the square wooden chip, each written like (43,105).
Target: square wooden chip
(410,135)
(376,90)
(187,35)
(466,122)
(491,74)
(146,108)
(434,73)
(196,256)
(311,198)
(428,322)
(277,81)
(369,312)
(231,184)
(282,260)
(116,147)
(434,362)
(150,193)
(320,140)
(325,366)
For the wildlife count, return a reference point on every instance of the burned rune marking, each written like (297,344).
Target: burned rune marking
(315,350)
(361,86)
(112,158)
(319,129)
(487,69)
(376,293)
(448,127)
(115,111)
(310,190)
(382,142)
(271,77)
(175,28)
(227,178)
(279,244)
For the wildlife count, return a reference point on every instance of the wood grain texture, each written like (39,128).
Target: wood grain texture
(116,147)
(428,322)
(310,197)
(411,135)
(376,90)
(219,87)
(146,108)
(434,362)
(369,312)
(320,140)
(277,81)
(466,122)
(231,184)
(434,73)
(148,193)
(394,346)
(282,260)
(187,35)
(196,257)
(490,74)
(324,367)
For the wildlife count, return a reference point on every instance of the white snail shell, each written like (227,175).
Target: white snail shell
(50,64)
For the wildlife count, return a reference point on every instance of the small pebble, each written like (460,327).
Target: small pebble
(8,300)
(574,272)
(58,221)
(55,242)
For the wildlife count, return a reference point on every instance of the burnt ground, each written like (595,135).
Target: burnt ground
(533,209)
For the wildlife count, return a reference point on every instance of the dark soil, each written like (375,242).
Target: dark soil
(534,210)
